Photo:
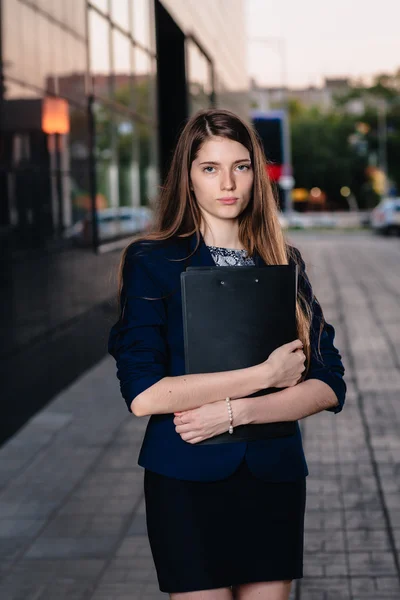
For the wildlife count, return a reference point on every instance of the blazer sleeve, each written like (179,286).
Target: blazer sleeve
(137,341)
(325,364)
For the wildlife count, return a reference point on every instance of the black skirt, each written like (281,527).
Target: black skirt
(207,535)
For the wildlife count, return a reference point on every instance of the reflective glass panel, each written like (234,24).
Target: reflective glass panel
(120,13)
(44,67)
(78,176)
(199,77)
(103,154)
(100,65)
(125,130)
(12,39)
(141,23)
(59,9)
(122,68)
(143,81)
(148,172)
(101,5)
(29,49)
(72,80)
(75,16)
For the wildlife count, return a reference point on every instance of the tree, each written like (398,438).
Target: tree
(329,151)
(322,156)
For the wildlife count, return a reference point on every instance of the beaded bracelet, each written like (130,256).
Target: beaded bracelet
(228,401)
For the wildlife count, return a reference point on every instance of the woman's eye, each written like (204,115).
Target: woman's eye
(240,167)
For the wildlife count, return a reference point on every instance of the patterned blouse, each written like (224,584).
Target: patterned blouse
(230,257)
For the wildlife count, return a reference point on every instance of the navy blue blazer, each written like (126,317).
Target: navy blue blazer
(147,344)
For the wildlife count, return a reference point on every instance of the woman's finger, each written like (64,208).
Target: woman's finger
(183,428)
(180,420)
(189,435)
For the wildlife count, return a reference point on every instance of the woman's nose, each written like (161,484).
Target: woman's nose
(228,181)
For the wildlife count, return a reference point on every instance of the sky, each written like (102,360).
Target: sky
(317,38)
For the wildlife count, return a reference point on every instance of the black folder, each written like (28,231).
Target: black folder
(234,317)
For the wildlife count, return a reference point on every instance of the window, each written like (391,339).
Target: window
(120,13)
(101,5)
(199,76)
(143,80)
(141,31)
(100,66)
(122,68)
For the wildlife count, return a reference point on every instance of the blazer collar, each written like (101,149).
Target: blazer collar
(203,258)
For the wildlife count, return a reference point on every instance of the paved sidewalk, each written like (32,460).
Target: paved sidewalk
(72,522)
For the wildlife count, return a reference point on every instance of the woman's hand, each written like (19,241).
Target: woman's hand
(285,365)
(204,422)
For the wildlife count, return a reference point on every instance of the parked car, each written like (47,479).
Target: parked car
(113,223)
(385,217)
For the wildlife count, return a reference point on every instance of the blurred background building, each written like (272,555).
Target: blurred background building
(92,97)
(268,98)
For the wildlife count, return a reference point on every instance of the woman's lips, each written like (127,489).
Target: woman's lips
(227,200)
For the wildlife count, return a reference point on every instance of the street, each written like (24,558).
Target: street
(72,520)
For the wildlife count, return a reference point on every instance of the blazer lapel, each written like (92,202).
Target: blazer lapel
(202,257)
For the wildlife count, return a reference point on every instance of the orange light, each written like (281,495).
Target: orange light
(55,115)
(299,195)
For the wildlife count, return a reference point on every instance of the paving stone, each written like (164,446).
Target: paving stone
(325,589)
(138,525)
(364,519)
(375,587)
(372,563)
(124,591)
(323,520)
(82,525)
(324,541)
(124,570)
(72,513)
(64,547)
(363,539)
(20,527)
(320,564)
(50,579)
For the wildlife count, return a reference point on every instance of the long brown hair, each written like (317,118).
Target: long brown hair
(177,212)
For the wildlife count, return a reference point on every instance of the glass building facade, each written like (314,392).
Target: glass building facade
(126,74)
(93,94)
(216,52)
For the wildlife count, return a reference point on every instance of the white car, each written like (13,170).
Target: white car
(385,217)
(113,223)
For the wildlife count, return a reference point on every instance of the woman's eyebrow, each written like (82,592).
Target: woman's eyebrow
(213,162)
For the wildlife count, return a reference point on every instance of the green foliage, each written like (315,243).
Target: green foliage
(322,155)
(322,152)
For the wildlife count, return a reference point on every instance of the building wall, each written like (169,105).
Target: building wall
(219,25)
(264,98)
(97,57)
(100,56)
(42,42)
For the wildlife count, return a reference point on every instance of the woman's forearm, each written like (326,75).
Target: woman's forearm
(291,404)
(184,392)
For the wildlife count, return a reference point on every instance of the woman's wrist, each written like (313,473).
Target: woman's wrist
(241,412)
(265,376)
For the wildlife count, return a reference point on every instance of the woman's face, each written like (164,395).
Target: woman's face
(222,178)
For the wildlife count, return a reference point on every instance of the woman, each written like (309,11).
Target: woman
(224,520)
